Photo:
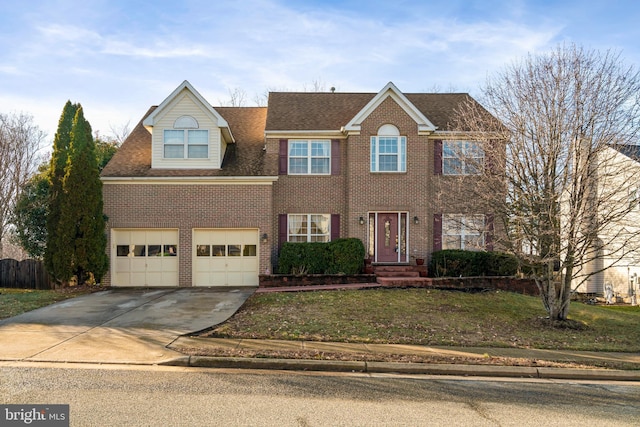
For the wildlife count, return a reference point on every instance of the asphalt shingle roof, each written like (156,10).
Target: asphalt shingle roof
(287,111)
(331,111)
(244,158)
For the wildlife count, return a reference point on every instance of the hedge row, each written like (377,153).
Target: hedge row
(340,256)
(459,263)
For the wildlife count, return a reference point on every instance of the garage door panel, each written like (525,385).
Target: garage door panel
(145,257)
(122,278)
(137,264)
(235,277)
(249,279)
(137,279)
(232,255)
(138,236)
(169,277)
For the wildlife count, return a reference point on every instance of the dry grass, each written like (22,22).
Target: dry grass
(17,301)
(431,317)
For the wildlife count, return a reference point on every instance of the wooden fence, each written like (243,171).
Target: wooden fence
(27,274)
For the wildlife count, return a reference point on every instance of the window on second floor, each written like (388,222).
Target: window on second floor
(185,140)
(462,158)
(388,150)
(309,157)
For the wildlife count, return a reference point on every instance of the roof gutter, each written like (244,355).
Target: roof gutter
(333,133)
(191,180)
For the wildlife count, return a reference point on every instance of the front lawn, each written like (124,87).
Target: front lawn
(431,317)
(17,301)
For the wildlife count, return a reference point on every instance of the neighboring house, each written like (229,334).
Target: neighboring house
(204,196)
(618,264)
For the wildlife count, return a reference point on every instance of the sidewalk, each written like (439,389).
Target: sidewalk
(361,354)
(151,327)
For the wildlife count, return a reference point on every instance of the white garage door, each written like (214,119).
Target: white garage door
(225,257)
(145,257)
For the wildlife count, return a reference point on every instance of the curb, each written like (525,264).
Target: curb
(404,368)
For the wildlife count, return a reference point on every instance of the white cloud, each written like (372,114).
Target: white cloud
(154,51)
(11,69)
(124,58)
(56,33)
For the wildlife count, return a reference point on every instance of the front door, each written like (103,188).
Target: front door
(390,237)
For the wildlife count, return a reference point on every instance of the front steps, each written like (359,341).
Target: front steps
(401,275)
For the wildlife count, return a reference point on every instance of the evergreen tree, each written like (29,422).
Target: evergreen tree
(57,250)
(32,207)
(82,219)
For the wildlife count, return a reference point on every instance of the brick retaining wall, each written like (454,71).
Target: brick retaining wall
(512,284)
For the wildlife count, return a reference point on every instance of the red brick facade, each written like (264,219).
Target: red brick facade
(358,191)
(187,207)
(250,189)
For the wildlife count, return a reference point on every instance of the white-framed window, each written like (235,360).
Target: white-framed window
(463,232)
(309,157)
(308,228)
(462,158)
(388,150)
(186,144)
(185,140)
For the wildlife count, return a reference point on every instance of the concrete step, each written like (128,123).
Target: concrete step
(404,281)
(397,273)
(393,267)
(399,270)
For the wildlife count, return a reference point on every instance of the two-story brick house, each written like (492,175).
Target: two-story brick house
(204,196)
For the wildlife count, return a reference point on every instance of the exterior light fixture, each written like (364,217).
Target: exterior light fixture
(361,220)
(416,220)
(264,238)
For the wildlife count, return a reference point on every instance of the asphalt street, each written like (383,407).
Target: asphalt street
(119,395)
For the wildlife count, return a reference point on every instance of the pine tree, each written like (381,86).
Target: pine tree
(57,250)
(82,218)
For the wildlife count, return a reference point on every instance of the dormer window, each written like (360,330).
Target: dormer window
(186,140)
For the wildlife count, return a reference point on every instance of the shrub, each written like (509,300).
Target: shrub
(311,258)
(343,256)
(460,263)
(501,264)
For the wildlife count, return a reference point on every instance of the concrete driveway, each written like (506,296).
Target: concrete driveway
(117,326)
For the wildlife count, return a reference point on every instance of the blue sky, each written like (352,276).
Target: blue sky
(118,57)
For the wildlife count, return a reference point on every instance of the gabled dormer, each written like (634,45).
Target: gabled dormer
(187,132)
(425,126)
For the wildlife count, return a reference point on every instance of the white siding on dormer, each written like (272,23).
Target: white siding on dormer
(185,104)
(223,147)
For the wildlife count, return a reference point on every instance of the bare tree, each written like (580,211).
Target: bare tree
(317,85)
(237,98)
(120,133)
(437,88)
(20,141)
(261,99)
(567,192)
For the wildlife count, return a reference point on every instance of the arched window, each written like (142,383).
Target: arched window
(388,130)
(388,150)
(185,122)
